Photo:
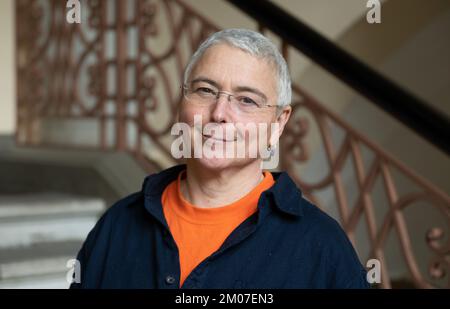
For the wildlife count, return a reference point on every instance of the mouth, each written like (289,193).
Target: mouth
(224,140)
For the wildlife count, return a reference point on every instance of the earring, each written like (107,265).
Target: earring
(271,150)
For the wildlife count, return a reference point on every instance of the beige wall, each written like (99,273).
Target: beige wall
(7,68)
(330,18)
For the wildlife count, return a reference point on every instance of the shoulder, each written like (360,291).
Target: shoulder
(324,229)
(342,263)
(98,243)
(131,208)
(312,221)
(112,218)
(322,224)
(123,205)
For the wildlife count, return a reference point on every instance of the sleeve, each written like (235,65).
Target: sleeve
(92,255)
(346,270)
(359,281)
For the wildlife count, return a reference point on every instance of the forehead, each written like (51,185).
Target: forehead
(229,65)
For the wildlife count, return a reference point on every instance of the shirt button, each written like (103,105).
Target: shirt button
(170,280)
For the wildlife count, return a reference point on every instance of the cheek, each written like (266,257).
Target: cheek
(188,112)
(257,133)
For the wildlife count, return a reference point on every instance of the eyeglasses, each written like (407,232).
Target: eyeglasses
(207,95)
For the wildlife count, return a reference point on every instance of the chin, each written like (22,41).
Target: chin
(219,164)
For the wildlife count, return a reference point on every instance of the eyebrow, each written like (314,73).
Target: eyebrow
(205,80)
(251,89)
(236,89)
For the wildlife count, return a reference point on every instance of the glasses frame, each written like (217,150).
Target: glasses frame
(185,89)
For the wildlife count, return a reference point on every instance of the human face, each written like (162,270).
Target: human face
(231,70)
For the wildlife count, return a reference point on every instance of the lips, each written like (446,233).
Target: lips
(220,139)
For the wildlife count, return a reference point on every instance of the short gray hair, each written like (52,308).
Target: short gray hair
(255,44)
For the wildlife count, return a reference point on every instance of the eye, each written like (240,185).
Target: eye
(247,101)
(205,91)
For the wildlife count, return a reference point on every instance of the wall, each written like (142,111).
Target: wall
(7,68)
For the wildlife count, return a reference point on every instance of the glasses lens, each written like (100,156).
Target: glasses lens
(248,102)
(202,94)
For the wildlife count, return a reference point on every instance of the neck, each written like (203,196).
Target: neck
(211,188)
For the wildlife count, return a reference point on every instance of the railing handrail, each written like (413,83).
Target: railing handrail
(387,95)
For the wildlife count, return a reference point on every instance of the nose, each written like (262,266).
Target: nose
(221,108)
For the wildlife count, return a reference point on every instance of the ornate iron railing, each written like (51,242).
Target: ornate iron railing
(121,69)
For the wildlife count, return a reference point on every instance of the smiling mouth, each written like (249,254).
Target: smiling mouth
(217,139)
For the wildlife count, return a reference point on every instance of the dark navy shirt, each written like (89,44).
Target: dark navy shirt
(287,243)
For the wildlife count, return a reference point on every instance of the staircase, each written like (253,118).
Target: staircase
(49,200)
(40,233)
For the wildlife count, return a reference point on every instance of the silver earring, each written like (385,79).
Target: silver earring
(271,149)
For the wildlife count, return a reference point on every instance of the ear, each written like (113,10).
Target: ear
(281,118)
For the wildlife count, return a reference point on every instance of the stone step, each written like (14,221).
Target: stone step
(38,218)
(52,281)
(42,265)
(36,205)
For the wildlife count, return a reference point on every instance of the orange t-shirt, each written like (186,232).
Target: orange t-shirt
(199,232)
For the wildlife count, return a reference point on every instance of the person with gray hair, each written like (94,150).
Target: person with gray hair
(221,219)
